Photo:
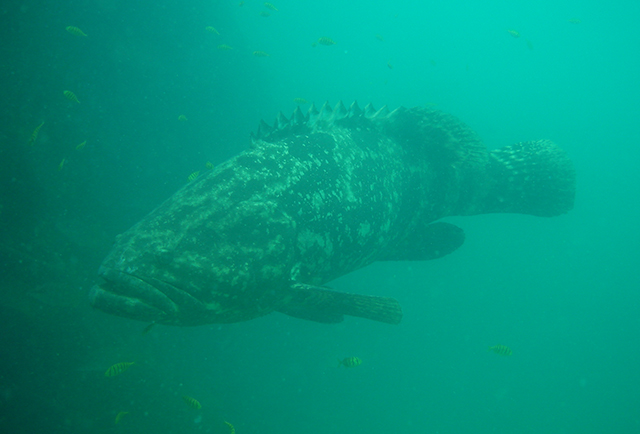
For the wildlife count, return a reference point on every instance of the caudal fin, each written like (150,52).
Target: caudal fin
(324,305)
(534,178)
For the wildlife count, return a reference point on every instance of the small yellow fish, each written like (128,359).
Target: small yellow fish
(530,45)
(270,6)
(314,44)
(241,4)
(120,415)
(182,118)
(432,62)
(118,369)
(300,101)
(209,165)
(212,30)
(350,362)
(81,145)
(575,21)
(232,430)
(224,47)
(71,96)
(514,33)
(261,54)
(75,31)
(265,14)
(192,402)
(193,176)
(389,65)
(34,135)
(147,329)
(502,350)
(379,37)
(61,165)
(323,40)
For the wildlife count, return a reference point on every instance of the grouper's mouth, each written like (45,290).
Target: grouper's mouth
(144,299)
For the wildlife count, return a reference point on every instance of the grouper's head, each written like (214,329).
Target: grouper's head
(197,260)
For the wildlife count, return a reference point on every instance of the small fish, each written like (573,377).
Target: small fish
(192,402)
(502,350)
(261,54)
(350,362)
(323,40)
(212,30)
(389,65)
(379,37)
(514,33)
(300,101)
(193,176)
(75,31)
(270,6)
(209,165)
(118,369)
(147,329)
(232,430)
(432,62)
(530,45)
(120,415)
(81,145)
(224,47)
(71,96)
(241,4)
(575,21)
(34,135)
(182,118)
(265,14)
(61,165)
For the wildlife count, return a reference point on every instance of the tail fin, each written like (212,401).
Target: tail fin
(534,178)
(323,305)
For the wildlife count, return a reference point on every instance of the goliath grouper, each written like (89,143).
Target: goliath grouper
(317,196)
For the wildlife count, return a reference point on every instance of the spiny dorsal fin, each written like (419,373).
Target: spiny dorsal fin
(281,122)
(369,110)
(298,118)
(318,119)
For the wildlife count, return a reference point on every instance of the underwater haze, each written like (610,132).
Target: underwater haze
(110,106)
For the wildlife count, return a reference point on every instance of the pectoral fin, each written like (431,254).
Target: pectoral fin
(324,305)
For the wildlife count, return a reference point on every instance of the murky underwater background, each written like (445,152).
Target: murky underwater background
(157,97)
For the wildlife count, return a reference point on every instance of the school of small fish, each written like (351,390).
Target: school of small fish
(192,402)
(118,369)
(70,96)
(232,430)
(501,350)
(120,415)
(323,40)
(34,135)
(350,362)
(75,31)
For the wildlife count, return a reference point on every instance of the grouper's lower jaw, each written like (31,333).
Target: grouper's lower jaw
(125,295)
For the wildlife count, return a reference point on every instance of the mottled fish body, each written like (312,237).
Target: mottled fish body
(317,196)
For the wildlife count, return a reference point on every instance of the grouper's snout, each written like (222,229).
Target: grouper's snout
(125,295)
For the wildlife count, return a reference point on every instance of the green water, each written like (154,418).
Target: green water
(560,292)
